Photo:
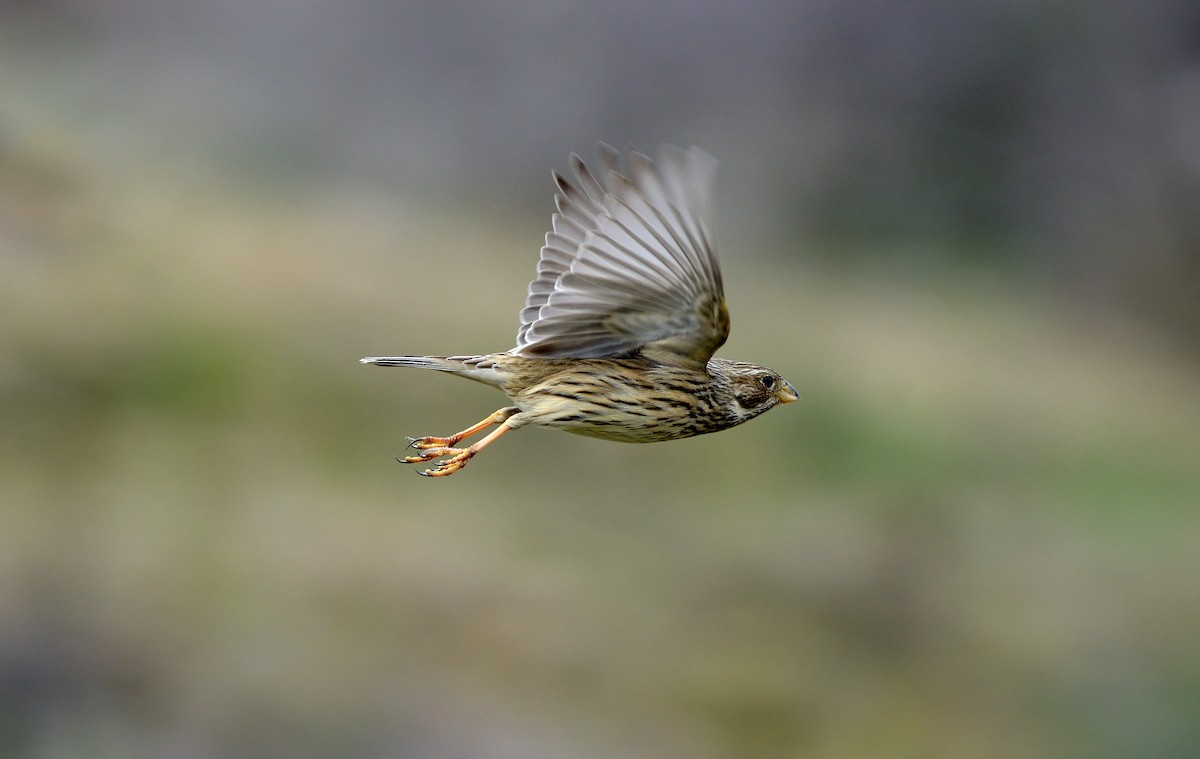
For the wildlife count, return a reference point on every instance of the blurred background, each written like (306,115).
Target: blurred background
(969,233)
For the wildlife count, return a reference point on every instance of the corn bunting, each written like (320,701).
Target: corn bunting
(621,322)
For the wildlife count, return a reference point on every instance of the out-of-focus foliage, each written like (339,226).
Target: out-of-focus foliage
(977,535)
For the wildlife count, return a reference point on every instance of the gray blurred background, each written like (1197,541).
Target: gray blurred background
(969,233)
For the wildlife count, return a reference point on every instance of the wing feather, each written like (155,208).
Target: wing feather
(630,264)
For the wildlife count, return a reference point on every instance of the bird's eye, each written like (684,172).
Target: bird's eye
(768,382)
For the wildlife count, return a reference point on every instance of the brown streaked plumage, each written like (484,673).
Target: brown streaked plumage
(621,322)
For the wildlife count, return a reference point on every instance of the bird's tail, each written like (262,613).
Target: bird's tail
(478,368)
(420,362)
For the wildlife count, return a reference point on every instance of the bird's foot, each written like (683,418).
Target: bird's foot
(429,441)
(453,459)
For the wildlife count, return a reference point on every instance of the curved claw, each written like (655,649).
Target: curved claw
(444,468)
(429,454)
(456,458)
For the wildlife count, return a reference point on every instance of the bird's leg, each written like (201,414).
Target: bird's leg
(433,448)
(422,443)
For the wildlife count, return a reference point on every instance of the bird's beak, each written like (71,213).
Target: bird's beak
(787,393)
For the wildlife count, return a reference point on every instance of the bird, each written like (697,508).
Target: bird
(621,322)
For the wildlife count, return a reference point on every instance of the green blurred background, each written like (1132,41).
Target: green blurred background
(969,233)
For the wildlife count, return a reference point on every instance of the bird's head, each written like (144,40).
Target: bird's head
(754,389)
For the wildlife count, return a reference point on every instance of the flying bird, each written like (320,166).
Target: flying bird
(621,322)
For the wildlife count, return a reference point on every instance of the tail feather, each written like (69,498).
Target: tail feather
(478,368)
(420,362)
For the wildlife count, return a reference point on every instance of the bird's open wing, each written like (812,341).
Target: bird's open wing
(630,264)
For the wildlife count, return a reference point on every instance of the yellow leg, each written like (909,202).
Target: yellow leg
(434,447)
(421,443)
